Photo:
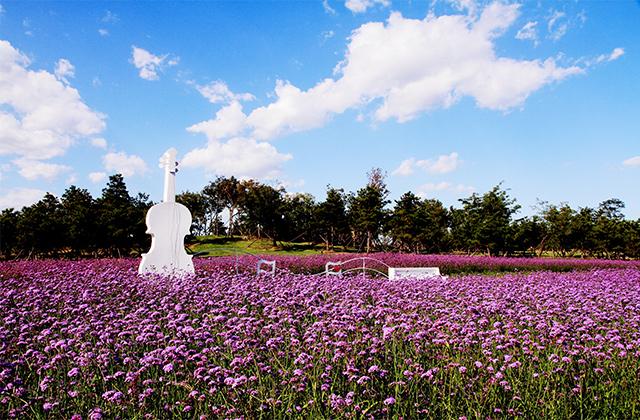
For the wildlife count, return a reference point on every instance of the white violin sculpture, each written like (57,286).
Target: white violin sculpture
(167,223)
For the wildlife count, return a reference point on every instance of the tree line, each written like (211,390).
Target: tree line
(78,225)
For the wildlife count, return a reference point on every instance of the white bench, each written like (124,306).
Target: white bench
(399,273)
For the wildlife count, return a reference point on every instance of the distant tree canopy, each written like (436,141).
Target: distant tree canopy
(79,225)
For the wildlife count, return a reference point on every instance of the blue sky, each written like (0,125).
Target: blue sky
(448,97)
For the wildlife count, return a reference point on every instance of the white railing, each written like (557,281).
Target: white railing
(338,268)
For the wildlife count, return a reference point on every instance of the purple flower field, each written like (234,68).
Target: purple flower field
(91,340)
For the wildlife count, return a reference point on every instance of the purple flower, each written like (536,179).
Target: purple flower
(96,414)
(387,331)
(113,396)
(363,380)
(390,401)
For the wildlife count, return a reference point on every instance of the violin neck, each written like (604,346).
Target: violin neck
(169,195)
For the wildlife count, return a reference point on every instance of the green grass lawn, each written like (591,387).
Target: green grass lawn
(215,246)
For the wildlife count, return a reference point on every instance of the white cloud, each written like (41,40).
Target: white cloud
(103,32)
(529,32)
(64,69)
(241,157)
(40,116)
(127,165)
(405,168)
(96,177)
(34,169)
(19,197)
(361,6)
(110,17)
(405,67)
(326,35)
(616,53)
(582,17)
(72,179)
(218,91)
(633,161)
(442,165)
(99,142)
(2,9)
(470,6)
(555,26)
(327,8)
(612,56)
(229,121)
(26,24)
(148,63)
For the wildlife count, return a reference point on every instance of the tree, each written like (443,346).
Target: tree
(262,210)
(433,219)
(582,231)
(8,232)
(526,234)
(225,193)
(405,223)
(197,205)
(40,227)
(632,238)
(483,223)
(299,221)
(121,218)
(609,229)
(367,208)
(78,218)
(331,217)
(140,204)
(559,228)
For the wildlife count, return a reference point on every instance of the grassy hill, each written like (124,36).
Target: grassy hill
(212,246)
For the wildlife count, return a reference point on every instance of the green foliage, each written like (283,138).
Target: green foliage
(40,227)
(262,210)
(331,218)
(405,223)
(197,205)
(367,213)
(121,226)
(8,232)
(224,193)
(434,220)
(299,224)
(483,223)
(114,224)
(78,209)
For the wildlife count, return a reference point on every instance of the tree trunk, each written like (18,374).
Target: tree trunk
(232,210)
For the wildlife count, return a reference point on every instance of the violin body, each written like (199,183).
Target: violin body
(167,223)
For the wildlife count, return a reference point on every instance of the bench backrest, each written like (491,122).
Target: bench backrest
(397,273)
